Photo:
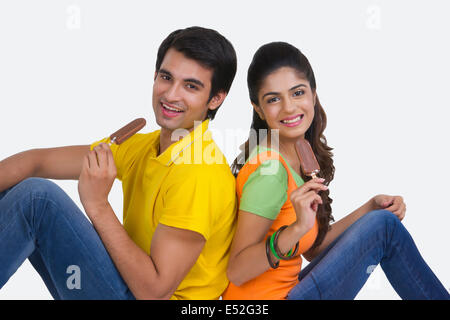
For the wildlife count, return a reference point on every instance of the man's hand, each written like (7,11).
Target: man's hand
(394,204)
(96,179)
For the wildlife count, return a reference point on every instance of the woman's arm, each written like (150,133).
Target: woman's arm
(338,227)
(395,204)
(248,257)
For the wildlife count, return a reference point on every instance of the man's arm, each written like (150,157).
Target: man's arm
(51,163)
(173,252)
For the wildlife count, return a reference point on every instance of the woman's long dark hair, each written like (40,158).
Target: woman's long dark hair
(266,60)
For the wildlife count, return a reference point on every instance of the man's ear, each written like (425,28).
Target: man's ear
(258,111)
(217,100)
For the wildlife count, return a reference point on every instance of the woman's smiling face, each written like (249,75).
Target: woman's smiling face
(286,103)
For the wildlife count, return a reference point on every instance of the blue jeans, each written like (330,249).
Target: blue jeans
(341,270)
(39,221)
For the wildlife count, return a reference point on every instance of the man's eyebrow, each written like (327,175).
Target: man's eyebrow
(275,93)
(197,82)
(193,80)
(165,72)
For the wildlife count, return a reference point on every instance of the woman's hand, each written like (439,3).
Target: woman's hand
(394,204)
(306,200)
(96,179)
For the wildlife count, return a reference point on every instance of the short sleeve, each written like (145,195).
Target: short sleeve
(265,191)
(191,202)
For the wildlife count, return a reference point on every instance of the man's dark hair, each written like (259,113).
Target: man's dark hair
(210,49)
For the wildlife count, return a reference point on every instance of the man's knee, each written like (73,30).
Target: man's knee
(41,199)
(38,186)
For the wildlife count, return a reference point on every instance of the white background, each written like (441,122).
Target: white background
(72,72)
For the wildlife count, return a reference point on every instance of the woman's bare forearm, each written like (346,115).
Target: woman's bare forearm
(252,261)
(340,226)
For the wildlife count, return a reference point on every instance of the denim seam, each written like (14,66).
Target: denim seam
(8,226)
(23,200)
(317,285)
(408,269)
(418,282)
(91,257)
(1,238)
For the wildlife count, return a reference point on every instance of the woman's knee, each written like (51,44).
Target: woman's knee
(381,216)
(380,220)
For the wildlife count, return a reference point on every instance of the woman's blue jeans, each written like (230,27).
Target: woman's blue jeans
(341,270)
(39,221)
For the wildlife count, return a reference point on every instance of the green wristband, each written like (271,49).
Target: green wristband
(274,241)
(272,248)
(289,253)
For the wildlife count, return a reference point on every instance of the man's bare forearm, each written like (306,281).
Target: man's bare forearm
(50,163)
(16,168)
(131,261)
(340,226)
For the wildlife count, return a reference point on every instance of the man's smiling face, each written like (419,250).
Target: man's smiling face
(181,92)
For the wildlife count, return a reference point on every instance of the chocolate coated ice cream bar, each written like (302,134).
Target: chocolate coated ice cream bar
(308,161)
(127,131)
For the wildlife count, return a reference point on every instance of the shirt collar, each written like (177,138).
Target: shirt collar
(173,152)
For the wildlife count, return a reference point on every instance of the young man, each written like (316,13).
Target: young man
(179,206)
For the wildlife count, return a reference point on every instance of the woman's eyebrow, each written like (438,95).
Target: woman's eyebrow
(275,93)
(297,86)
(269,94)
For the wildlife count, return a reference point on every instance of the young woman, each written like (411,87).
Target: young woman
(284,214)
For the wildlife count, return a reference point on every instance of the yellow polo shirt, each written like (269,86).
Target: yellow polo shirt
(188,186)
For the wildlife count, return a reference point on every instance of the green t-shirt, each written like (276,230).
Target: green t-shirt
(265,190)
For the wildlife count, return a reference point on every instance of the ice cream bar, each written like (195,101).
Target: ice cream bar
(308,161)
(127,131)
